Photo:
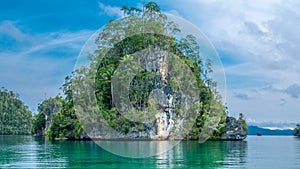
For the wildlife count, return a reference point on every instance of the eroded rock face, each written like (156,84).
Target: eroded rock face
(52,109)
(164,118)
(234,130)
(163,122)
(161,116)
(162,97)
(162,126)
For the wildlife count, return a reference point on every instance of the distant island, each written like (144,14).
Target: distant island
(297,131)
(255,130)
(15,117)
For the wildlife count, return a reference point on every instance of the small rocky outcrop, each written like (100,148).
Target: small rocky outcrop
(235,129)
(297,130)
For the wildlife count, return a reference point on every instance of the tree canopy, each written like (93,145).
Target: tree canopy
(15,117)
(46,110)
(117,45)
(64,122)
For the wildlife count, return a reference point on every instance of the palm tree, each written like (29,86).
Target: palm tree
(125,9)
(135,10)
(152,7)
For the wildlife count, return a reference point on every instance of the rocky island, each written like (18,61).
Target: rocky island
(297,130)
(142,82)
(236,129)
(148,84)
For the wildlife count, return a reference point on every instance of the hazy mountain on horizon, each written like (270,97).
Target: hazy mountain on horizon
(274,125)
(253,130)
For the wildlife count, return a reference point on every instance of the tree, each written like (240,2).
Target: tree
(125,9)
(49,107)
(152,7)
(64,123)
(15,118)
(243,121)
(297,130)
(119,44)
(144,82)
(42,121)
(38,124)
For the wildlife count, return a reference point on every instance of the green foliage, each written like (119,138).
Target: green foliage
(243,121)
(51,106)
(143,83)
(64,123)
(38,124)
(221,128)
(15,118)
(140,90)
(106,61)
(46,110)
(297,130)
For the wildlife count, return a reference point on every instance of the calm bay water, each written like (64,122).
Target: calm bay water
(255,152)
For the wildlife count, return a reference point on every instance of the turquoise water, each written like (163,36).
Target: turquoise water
(255,152)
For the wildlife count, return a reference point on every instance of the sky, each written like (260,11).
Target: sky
(257,41)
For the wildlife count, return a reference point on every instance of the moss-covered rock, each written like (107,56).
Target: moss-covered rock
(236,129)
(297,130)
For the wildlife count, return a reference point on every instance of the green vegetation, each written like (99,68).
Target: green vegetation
(143,83)
(243,121)
(297,130)
(56,116)
(38,124)
(210,110)
(47,109)
(64,123)
(15,118)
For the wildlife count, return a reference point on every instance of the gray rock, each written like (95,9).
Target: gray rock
(297,130)
(234,130)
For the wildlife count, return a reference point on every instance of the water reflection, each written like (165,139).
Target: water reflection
(38,152)
(297,147)
(211,154)
(28,152)
(137,149)
(8,145)
(236,152)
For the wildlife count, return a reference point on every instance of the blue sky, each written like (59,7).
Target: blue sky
(257,42)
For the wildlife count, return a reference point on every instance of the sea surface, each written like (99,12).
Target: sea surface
(282,152)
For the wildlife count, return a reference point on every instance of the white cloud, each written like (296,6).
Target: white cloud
(261,34)
(110,10)
(8,28)
(260,39)
(38,69)
(293,90)
(73,40)
(264,105)
(242,96)
(273,125)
